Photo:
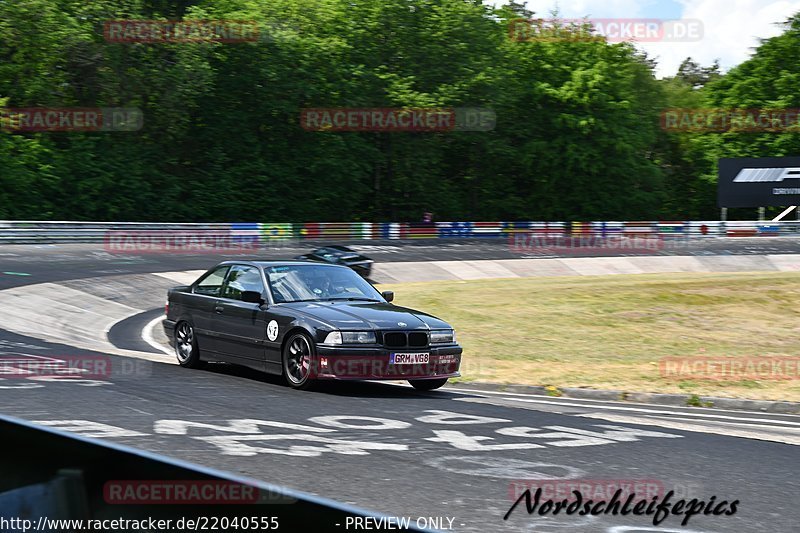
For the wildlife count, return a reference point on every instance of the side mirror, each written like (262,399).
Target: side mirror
(252,297)
(388,295)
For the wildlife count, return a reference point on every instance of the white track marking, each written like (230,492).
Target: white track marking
(185,277)
(58,313)
(583,437)
(87,428)
(504,467)
(337,421)
(473,443)
(696,428)
(556,401)
(315,445)
(244,425)
(20,385)
(653,411)
(723,422)
(639,529)
(456,419)
(147,335)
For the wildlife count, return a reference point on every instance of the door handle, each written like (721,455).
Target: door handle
(218,309)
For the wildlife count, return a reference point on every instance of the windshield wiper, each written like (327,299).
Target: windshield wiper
(352,298)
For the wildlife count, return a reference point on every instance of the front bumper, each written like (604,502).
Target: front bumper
(375,363)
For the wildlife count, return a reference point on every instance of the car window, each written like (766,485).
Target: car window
(242,278)
(316,282)
(211,284)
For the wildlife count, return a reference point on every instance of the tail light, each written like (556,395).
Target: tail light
(166,307)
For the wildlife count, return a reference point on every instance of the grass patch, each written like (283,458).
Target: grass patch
(610,332)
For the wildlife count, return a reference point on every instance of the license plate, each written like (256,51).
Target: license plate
(409,358)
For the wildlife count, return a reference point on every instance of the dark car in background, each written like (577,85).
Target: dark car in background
(341,255)
(307,322)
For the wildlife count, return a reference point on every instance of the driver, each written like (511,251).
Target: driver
(319,284)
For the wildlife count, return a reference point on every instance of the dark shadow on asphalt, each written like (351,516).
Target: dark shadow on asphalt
(359,389)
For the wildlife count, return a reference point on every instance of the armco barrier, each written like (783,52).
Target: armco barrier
(25,232)
(49,474)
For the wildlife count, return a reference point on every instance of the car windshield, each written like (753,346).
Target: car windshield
(303,282)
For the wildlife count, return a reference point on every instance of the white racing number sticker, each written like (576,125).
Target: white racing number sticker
(272,330)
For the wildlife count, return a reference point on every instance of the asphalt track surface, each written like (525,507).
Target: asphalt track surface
(449,454)
(27,264)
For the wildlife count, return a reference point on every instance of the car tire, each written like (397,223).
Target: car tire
(298,354)
(427,384)
(186,349)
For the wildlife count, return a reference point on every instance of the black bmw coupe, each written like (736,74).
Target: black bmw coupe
(307,322)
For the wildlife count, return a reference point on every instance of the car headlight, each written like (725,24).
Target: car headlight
(334,337)
(443,336)
(350,337)
(358,337)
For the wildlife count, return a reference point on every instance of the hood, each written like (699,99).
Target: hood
(368,315)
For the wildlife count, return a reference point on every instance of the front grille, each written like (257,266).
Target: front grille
(394,339)
(417,339)
(402,339)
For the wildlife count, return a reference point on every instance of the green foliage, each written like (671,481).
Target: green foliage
(577,133)
(695,401)
(768,80)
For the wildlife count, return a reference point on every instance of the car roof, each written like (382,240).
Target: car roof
(270,263)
